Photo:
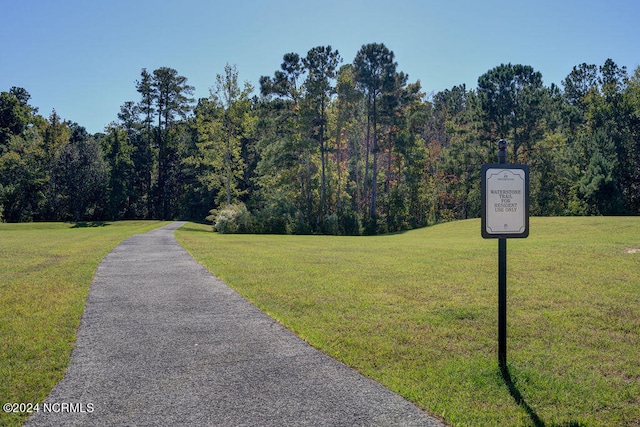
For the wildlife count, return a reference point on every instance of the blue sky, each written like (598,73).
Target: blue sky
(83,57)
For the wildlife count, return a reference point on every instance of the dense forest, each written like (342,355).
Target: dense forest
(324,146)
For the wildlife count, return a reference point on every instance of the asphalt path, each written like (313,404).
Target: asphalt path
(163,342)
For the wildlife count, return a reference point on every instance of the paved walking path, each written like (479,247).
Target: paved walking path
(163,342)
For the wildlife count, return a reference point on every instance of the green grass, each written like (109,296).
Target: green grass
(45,272)
(417,312)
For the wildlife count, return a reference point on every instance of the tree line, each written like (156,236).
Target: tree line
(324,146)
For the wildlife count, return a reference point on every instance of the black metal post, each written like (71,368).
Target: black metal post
(502,303)
(502,280)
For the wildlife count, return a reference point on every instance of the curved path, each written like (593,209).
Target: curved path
(162,342)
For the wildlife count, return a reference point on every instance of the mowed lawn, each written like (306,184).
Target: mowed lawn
(417,311)
(45,273)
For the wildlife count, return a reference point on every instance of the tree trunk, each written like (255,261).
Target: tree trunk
(227,160)
(366,163)
(374,184)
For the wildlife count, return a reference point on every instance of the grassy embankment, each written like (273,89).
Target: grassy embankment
(45,272)
(418,312)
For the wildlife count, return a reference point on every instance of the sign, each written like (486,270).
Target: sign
(505,201)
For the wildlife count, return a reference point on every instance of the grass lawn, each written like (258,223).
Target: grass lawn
(417,312)
(45,272)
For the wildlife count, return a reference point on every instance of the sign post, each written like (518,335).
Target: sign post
(505,214)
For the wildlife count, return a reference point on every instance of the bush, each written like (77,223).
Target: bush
(275,217)
(298,224)
(331,225)
(350,224)
(232,219)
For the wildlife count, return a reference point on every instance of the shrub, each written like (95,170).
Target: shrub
(232,219)
(331,225)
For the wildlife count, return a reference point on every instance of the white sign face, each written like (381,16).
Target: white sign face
(505,196)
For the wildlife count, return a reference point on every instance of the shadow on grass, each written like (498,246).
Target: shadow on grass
(85,224)
(196,229)
(517,396)
(519,399)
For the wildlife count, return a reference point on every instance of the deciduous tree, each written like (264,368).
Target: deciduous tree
(222,122)
(79,177)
